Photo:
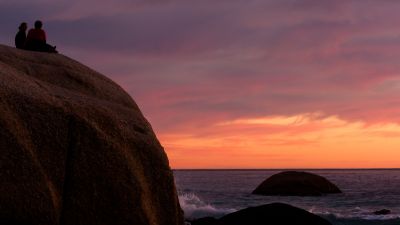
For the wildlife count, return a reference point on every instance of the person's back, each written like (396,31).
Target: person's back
(20,38)
(37,34)
(36,39)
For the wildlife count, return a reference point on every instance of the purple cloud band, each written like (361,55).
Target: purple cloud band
(190,63)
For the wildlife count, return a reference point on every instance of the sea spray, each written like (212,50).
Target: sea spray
(194,207)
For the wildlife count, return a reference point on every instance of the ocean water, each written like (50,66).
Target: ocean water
(219,192)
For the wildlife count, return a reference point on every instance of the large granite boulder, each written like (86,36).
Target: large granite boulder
(292,183)
(271,214)
(75,148)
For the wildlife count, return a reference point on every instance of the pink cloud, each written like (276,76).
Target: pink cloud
(195,63)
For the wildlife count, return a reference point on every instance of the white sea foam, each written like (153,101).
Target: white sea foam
(194,207)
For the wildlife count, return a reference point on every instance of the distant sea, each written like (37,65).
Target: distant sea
(219,192)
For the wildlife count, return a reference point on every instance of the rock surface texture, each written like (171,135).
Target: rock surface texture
(292,183)
(270,214)
(75,148)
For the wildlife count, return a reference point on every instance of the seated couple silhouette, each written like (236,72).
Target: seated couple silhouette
(35,40)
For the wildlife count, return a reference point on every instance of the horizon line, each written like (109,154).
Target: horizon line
(205,169)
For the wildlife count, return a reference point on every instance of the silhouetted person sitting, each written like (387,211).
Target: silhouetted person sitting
(20,38)
(36,39)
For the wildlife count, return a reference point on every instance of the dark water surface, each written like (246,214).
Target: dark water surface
(218,192)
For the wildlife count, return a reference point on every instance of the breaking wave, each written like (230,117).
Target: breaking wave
(194,207)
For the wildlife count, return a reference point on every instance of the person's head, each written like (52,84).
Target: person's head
(23,26)
(38,24)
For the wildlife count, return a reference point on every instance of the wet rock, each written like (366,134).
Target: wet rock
(274,214)
(293,183)
(382,212)
(204,221)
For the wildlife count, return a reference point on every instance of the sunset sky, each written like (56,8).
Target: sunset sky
(243,83)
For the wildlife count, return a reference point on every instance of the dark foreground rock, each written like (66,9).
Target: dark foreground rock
(75,148)
(270,214)
(382,212)
(204,221)
(292,183)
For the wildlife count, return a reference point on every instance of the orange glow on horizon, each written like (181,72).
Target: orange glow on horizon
(300,141)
